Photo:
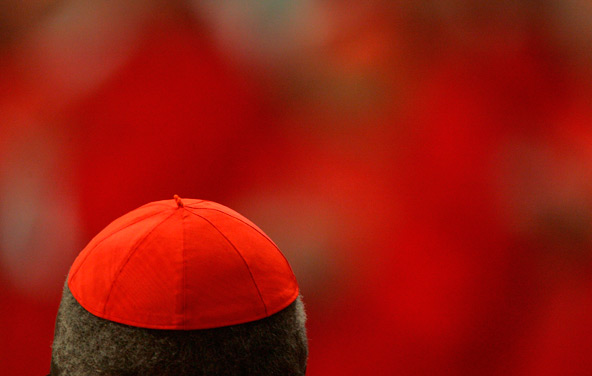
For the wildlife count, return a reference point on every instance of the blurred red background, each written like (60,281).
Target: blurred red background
(426,167)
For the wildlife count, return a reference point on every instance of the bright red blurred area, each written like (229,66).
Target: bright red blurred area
(426,167)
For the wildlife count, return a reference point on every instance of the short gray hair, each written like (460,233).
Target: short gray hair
(88,345)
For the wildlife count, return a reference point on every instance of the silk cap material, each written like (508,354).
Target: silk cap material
(182,264)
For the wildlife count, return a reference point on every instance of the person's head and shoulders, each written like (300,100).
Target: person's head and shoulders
(180,288)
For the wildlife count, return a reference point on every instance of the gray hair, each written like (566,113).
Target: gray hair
(88,345)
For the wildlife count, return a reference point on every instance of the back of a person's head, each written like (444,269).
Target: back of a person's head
(180,287)
(88,345)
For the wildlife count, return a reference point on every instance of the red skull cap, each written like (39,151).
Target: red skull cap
(190,264)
